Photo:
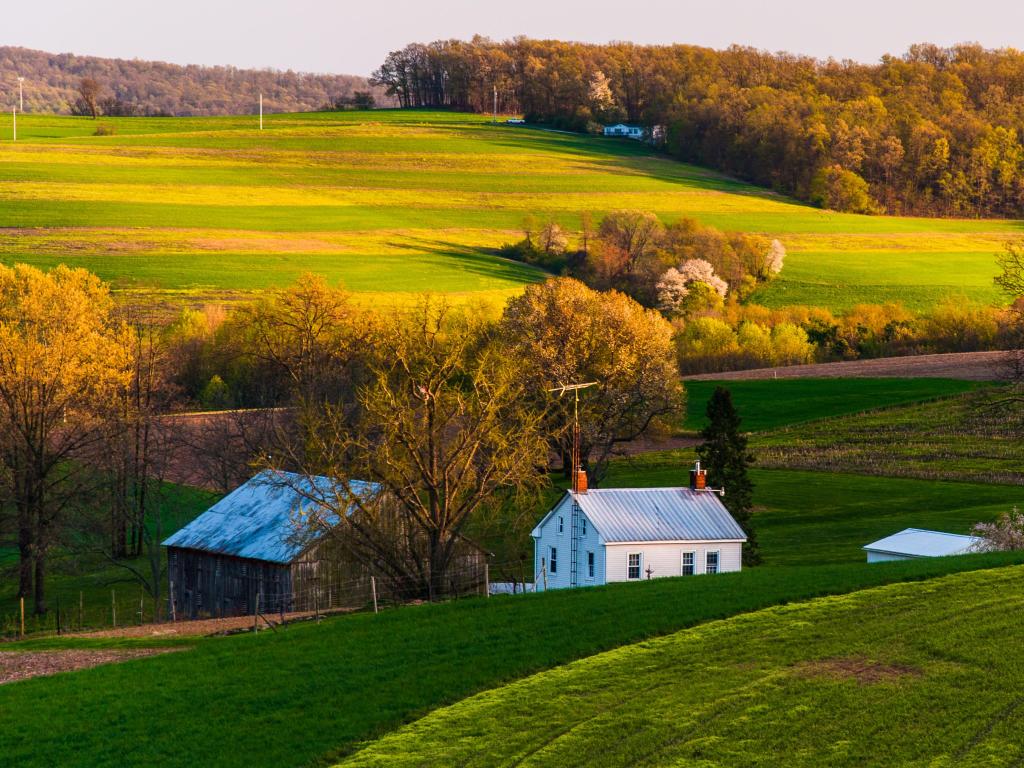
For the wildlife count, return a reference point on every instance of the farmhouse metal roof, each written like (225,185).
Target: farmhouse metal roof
(257,520)
(917,542)
(657,514)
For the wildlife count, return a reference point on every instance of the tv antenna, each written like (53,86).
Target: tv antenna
(575,389)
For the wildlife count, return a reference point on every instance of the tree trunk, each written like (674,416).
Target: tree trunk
(40,582)
(26,561)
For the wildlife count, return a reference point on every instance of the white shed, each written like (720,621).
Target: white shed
(913,543)
(621,129)
(630,534)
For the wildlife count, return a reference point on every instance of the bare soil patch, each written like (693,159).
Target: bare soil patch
(17,665)
(968,366)
(205,627)
(864,671)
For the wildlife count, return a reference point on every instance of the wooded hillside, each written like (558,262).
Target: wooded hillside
(936,131)
(158,88)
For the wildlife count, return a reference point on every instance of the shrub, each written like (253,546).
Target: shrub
(838,189)
(104,130)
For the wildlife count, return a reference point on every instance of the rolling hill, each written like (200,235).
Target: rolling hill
(875,677)
(393,202)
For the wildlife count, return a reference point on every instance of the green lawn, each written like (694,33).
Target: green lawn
(307,692)
(773,403)
(910,674)
(392,202)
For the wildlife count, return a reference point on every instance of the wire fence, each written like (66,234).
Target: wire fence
(129,606)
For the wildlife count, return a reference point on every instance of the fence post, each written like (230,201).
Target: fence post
(373,588)
(81,610)
(174,617)
(256,611)
(113,608)
(58,615)
(544,574)
(141,605)
(23,618)
(316,599)
(487,579)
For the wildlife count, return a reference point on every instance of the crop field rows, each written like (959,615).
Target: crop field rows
(392,203)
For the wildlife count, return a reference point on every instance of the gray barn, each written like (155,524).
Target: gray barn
(248,548)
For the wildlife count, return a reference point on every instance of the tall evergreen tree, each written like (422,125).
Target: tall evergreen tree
(725,457)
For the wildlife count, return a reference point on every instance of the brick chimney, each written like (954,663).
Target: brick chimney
(698,478)
(580,484)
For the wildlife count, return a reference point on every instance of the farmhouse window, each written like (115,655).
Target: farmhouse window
(590,565)
(583,523)
(689,563)
(633,570)
(554,560)
(561,525)
(712,563)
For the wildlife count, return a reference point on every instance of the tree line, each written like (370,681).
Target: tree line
(120,87)
(936,131)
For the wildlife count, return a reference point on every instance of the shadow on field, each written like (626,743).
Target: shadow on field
(476,260)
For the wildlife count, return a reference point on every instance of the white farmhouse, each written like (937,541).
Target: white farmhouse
(593,537)
(912,543)
(629,131)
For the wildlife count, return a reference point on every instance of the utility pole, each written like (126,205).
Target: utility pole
(21,94)
(261,111)
(495,118)
(14,123)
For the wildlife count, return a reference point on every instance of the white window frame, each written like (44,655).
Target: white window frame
(591,564)
(639,567)
(553,560)
(718,561)
(693,563)
(561,524)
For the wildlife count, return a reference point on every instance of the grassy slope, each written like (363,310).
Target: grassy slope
(395,201)
(304,693)
(767,688)
(774,403)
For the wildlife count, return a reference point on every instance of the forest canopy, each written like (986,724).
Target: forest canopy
(134,87)
(936,131)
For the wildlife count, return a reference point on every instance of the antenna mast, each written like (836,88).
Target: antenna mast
(577,476)
(575,459)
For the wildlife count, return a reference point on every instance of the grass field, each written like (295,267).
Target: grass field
(909,674)
(305,693)
(773,403)
(392,202)
(958,438)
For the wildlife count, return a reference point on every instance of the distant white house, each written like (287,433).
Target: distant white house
(594,537)
(515,121)
(913,543)
(621,129)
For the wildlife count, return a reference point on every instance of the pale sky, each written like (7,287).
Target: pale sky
(353,37)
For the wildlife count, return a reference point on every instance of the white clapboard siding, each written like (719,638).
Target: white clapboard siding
(665,559)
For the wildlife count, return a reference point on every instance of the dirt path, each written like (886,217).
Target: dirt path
(21,665)
(969,366)
(205,627)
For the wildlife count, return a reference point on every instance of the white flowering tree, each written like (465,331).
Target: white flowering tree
(776,255)
(1003,535)
(677,286)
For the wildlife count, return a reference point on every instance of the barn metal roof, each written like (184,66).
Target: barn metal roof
(657,514)
(257,520)
(917,542)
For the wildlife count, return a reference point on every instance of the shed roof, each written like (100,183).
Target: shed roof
(917,542)
(656,514)
(257,520)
